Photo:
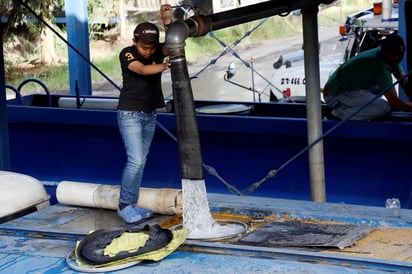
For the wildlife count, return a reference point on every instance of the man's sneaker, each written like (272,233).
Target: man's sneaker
(129,214)
(143,212)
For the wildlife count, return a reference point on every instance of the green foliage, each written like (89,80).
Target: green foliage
(18,15)
(57,78)
(109,66)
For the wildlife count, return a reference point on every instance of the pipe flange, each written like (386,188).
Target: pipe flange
(199,25)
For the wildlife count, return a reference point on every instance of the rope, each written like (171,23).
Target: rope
(212,171)
(273,172)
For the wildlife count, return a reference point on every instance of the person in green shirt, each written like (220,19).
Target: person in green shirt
(357,81)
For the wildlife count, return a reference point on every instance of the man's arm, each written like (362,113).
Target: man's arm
(396,103)
(165,13)
(142,69)
(404,83)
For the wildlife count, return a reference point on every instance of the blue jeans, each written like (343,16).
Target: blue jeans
(137,130)
(346,103)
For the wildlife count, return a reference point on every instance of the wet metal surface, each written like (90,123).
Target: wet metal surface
(65,220)
(237,230)
(304,234)
(41,241)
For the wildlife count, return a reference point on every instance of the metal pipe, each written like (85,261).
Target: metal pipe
(186,124)
(201,24)
(313,102)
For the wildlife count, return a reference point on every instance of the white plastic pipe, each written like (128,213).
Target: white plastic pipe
(89,103)
(164,201)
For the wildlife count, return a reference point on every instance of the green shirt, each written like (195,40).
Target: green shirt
(367,70)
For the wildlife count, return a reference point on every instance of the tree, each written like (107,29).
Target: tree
(19,15)
(47,50)
(13,12)
(122,18)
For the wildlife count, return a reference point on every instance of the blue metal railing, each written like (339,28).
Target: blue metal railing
(17,90)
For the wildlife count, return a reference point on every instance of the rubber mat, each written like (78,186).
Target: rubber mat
(306,234)
(384,243)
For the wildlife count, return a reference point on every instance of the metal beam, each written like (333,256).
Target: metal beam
(4,129)
(78,36)
(313,102)
(200,25)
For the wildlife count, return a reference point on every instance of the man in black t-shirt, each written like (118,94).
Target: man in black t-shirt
(142,65)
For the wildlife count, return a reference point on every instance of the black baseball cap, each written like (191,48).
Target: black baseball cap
(146,33)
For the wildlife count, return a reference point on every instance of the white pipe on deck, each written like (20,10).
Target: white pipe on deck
(89,103)
(164,201)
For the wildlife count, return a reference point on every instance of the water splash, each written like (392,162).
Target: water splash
(196,213)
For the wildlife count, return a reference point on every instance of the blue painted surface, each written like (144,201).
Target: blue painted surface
(180,262)
(4,131)
(402,32)
(78,36)
(355,214)
(365,162)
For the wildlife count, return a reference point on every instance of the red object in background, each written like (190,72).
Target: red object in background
(342,30)
(287,92)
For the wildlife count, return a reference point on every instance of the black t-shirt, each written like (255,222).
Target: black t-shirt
(140,92)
